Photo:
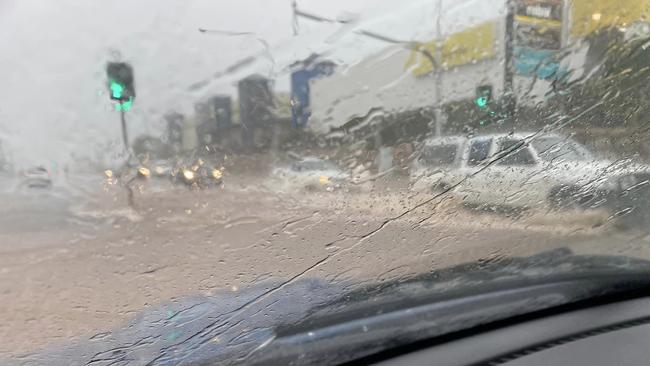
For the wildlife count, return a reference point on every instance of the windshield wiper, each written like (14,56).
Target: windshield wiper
(311,321)
(372,320)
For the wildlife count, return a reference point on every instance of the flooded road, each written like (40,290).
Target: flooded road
(70,280)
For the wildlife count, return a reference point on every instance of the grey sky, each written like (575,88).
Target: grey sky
(53,98)
(52,101)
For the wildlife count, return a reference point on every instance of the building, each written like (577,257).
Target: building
(520,49)
(400,78)
(213,116)
(175,122)
(303,73)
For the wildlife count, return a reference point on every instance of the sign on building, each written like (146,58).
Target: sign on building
(538,37)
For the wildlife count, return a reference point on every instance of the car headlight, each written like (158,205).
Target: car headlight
(144,172)
(188,175)
(216,174)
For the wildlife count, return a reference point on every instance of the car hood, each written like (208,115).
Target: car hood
(303,321)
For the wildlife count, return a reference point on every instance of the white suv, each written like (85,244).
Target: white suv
(527,170)
(438,163)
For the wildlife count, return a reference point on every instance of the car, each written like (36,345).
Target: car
(160,168)
(529,169)
(438,160)
(36,177)
(195,173)
(311,173)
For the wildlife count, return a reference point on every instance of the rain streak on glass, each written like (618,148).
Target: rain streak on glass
(188,182)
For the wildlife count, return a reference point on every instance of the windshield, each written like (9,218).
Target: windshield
(442,155)
(180,179)
(555,148)
(479,150)
(515,154)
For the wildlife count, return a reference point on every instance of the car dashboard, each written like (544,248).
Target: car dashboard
(611,334)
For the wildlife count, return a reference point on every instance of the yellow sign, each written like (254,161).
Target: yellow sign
(588,16)
(551,23)
(465,47)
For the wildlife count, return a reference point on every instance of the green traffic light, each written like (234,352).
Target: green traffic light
(126,106)
(481,102)
(116,90)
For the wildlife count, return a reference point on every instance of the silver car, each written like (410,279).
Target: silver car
(311,173)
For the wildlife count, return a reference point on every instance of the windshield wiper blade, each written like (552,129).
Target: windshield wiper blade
(352,337)
(311,321)
(378,317)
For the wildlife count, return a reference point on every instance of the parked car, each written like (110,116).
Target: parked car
(527,170)
(311,173)
(438,160)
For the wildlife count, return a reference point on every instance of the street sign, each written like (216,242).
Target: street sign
(538,38)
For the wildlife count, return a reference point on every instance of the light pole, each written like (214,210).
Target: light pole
(508,73)
(436,64)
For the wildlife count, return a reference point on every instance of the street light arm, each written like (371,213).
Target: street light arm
(411,45)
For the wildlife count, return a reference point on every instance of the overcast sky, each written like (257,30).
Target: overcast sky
(53,99)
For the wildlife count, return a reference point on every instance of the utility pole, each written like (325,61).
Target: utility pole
(510,100)
(437,73)
(294,17)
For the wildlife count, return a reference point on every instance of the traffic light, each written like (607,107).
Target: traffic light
(483,96)
(121,85)
(489,111)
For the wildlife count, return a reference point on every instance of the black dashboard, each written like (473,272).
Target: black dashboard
(610,334)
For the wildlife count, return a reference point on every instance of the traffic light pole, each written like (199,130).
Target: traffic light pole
(125,136)
(122,89)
